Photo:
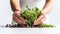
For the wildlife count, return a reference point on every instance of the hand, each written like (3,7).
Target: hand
(18,18)
(41,18)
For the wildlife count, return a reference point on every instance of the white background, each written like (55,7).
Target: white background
(5,12)
(6,18)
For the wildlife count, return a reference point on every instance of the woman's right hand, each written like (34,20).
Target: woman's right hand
(18,18)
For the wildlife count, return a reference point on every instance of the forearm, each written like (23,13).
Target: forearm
(15,5)
(48,6)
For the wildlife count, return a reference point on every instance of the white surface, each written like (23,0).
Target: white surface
(30,30)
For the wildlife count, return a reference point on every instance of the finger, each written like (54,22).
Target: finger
(39,20)
(37,23)
(17,20)
(20,17)
(17,14)
(43,19)
(40,17)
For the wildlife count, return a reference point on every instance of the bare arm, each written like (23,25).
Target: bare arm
(46,9)
(48,6)
(15,5)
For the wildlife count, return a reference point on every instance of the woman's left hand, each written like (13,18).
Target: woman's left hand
(40,19)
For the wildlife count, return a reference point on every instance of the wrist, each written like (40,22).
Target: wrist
(44,12)
(42,15)
(18,12)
